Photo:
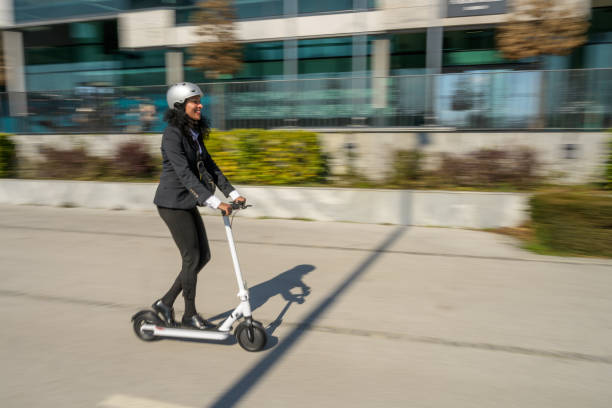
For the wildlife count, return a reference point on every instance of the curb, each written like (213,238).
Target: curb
(455,209)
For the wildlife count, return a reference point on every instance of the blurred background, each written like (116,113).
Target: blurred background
(104,65)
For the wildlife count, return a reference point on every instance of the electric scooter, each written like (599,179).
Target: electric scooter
(250,334)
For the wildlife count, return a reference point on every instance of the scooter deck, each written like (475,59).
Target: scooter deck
(188,333)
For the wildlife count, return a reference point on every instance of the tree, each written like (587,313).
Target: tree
(218,52)
(540,27)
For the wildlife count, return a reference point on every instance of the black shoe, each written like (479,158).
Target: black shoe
(166,312)
(196,322)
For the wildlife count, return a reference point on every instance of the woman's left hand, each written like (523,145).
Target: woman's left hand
(240,200)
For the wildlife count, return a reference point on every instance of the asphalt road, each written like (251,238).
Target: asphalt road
(358,316)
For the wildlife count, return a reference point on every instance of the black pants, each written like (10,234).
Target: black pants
(189,234)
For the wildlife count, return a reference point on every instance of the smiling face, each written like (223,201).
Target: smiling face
(193,108)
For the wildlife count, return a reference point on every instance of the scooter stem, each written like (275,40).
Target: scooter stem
(243,293)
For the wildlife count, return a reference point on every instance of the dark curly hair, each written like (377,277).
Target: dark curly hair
(177,117)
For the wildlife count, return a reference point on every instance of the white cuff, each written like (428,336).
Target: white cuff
(213,202)
(234,195)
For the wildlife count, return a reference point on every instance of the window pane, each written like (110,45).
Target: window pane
(328,47)
(601,20)
(407,52)
(36,10)
(322,6)
(263,51)
(262,60)
(471,47)
(258,8)
(68,43)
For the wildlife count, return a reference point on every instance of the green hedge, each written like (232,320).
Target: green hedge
(8,157)
(574,222)
(255,156)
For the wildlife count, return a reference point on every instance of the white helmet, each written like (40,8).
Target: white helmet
(181,91)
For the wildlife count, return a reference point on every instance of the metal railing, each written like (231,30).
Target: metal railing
(501,100)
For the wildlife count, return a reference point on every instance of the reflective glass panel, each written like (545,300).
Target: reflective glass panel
(323,6)
(246,9)
(470,47)
(407,52)
(36,10)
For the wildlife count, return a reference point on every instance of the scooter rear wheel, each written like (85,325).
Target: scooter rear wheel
(142,318)
(253,341)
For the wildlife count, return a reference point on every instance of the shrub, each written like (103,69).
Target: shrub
(490,167)
(132,159)
(255,156)
(8,157)
(63,164)
(406,168)
(574,222)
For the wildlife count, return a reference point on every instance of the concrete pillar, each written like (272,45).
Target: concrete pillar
(433,66)
(360,4)
(381,62)
(359,64)
(360,41)
(290,45)
(360,54)
(434,50)
(7,17)
(290,61)
(15,72)
(290,8)
(174,67)
(291,84)
(359,82)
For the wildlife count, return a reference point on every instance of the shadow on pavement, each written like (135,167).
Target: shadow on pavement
(281,284)
(244,384)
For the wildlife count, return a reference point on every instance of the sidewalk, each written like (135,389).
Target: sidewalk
(359,315)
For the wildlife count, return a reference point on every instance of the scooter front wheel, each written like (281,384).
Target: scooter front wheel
(251,337)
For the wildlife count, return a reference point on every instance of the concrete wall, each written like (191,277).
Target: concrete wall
(566,157)
(29,146)
(405,207)
(148,28)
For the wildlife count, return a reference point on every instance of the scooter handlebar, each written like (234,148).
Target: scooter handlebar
(236,206)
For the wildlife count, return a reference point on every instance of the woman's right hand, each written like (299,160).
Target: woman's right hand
(225,208)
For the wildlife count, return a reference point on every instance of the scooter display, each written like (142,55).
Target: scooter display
(249,333)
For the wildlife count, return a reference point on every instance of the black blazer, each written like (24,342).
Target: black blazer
(180,185)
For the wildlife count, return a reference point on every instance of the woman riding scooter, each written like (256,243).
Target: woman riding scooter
(188,179)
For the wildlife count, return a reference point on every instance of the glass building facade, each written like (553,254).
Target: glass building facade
(65,55)
(88,51)
(36,10)
(261,9)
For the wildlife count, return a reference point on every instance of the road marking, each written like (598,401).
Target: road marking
(126,401)
(567,261)
(566,355)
